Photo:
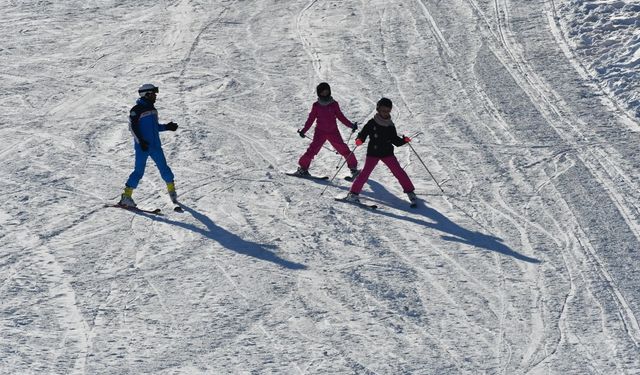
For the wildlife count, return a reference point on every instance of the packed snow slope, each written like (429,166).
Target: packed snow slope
(528,264)
(605,34)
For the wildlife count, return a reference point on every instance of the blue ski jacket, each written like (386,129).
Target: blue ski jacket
(144,125)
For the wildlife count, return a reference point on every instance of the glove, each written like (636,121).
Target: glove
(406,139)
(359,142)
(171,126)
(302,134)
(144,145)
(354,127)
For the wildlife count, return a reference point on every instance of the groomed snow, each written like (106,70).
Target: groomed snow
(528,264)
(605,36)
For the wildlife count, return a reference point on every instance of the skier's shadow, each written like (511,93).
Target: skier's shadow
(229,240)
(453,232)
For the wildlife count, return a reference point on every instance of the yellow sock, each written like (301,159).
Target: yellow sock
(171,187)
(128,191)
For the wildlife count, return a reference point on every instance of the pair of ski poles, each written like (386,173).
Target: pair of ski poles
(410,146)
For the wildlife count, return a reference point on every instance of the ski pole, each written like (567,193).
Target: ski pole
(352,131)
(412,137)
(350,135)
(417,134)
(425,167)
(347,142)
(338,171)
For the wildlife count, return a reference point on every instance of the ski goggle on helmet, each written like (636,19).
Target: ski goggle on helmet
(147,88)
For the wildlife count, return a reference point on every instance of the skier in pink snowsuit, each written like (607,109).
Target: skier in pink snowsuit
(325,112)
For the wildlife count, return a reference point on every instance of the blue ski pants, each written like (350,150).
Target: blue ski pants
(157,155)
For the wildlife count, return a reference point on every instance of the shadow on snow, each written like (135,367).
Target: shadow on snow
(454,232)
(229,240)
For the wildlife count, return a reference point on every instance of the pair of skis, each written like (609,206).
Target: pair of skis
(313,177)
(156,211)
(324,178)
(413,203)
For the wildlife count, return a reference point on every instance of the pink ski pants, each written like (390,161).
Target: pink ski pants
(336,141)
(393,165)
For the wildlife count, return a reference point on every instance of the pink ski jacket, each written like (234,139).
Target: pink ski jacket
(326,118)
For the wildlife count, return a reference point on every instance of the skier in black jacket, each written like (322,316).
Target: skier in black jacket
(382,138)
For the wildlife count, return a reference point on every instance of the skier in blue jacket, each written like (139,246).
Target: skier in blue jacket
(145,128)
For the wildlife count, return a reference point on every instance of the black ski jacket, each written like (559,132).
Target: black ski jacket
(383,138)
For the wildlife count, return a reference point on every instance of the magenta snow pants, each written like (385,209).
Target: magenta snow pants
(393,165)
(336,141)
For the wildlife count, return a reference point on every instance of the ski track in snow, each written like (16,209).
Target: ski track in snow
(527,265)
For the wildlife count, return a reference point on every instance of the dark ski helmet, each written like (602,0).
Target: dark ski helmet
(146,89)
(384,102)
(323,86)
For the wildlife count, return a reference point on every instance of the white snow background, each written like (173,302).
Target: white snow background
(528,264)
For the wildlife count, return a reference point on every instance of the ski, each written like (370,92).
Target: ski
(308,177)
(359,204)
(156,211)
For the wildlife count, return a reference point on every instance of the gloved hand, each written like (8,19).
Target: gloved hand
(144,145)
(302,134)
(354,127)
(406,139)
(359,142)
(171,126)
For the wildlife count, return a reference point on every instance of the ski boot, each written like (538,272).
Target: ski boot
(352,197)
(171,188)
(125,199)
(302,172)
(413,198)
(354,173)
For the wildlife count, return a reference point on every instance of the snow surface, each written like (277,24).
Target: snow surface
(527,265)
(605,34)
